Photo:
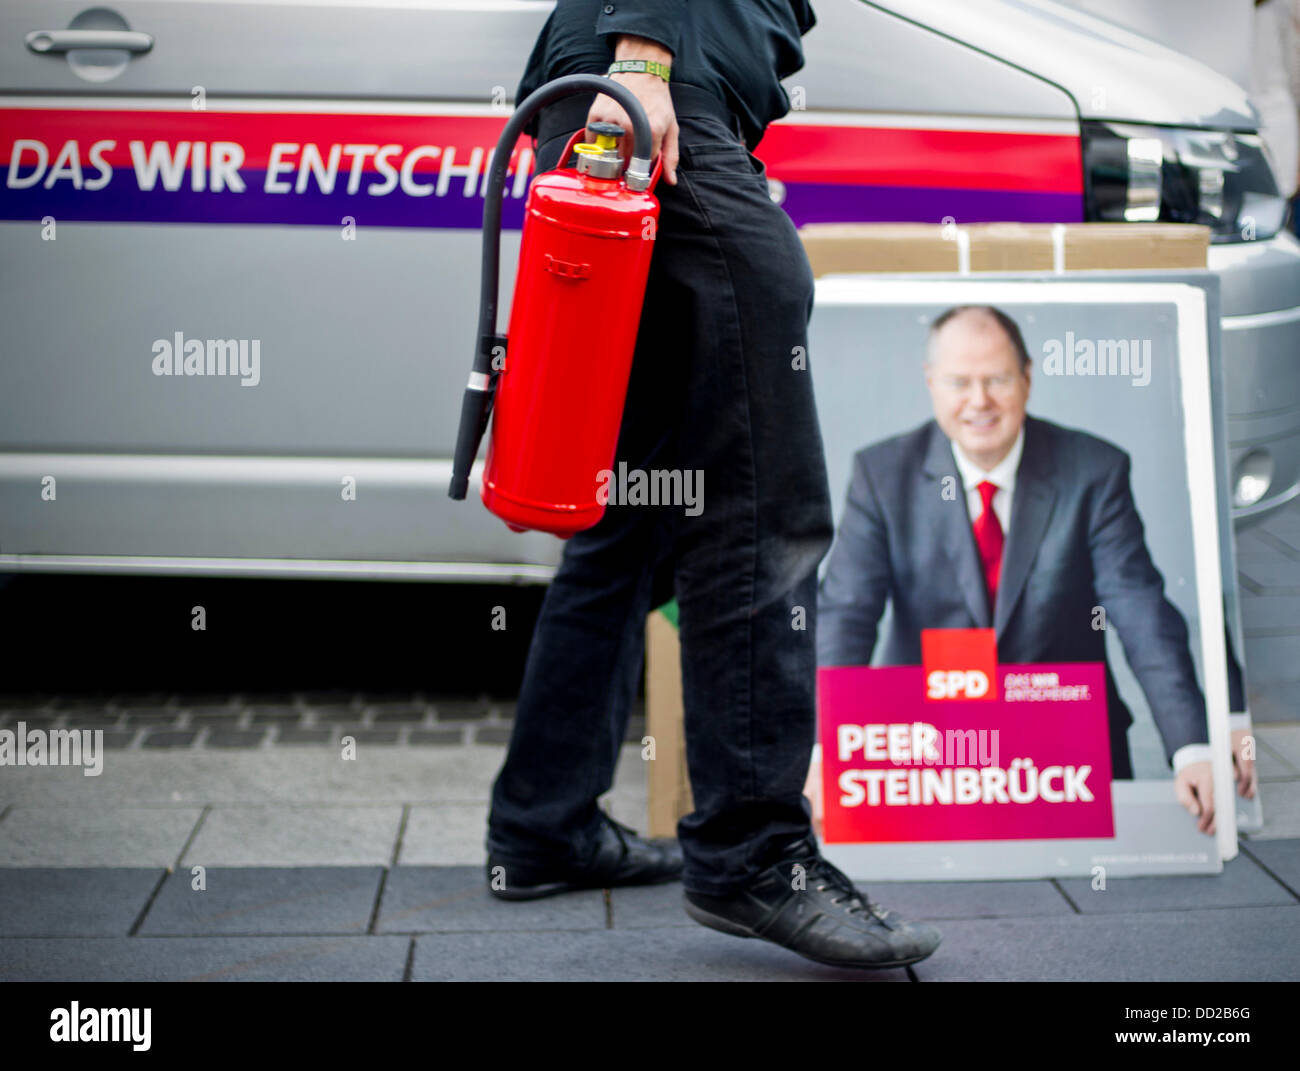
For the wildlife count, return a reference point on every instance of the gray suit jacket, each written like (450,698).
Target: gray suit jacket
(1074,542)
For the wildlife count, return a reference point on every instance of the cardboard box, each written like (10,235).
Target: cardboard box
(669,785)
(1002,247)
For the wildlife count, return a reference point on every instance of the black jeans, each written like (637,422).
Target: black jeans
(720,384)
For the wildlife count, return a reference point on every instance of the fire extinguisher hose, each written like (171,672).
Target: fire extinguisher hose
(476,406)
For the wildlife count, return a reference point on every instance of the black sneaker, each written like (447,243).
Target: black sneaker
(621,858)
(805,904)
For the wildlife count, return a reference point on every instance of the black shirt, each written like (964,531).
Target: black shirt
(739,50)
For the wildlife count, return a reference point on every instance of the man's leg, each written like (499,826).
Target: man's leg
(587,650)
(573,705)
(746,573)
(746,584)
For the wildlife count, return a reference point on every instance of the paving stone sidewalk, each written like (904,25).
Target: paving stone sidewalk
(1268,574)
(320,869)
(161,721)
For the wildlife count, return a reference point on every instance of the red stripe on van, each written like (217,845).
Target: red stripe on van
(953,159)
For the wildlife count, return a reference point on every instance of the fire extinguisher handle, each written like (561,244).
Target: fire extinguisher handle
(654,175)
(577,136)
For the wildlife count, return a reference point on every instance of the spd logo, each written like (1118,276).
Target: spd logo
(960,663)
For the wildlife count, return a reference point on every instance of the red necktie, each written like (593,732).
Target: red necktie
(989,539)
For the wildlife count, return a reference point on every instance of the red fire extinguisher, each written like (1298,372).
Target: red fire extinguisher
(555,392)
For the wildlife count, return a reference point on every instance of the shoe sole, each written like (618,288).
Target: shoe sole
(535,892)
(539,892)
(724,925)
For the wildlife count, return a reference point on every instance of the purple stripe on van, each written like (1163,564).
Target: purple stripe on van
(808,202)
(122,201)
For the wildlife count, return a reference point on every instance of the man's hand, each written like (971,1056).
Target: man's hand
(1194,787)
(1243,767)
(652,92)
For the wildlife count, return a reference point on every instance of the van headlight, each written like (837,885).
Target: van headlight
(1150,174)
(1252,477)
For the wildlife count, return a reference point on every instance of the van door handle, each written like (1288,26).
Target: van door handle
(44,41)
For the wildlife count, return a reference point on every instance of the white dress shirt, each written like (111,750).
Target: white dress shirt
(1003,475)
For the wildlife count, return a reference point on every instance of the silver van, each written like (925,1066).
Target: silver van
(239,249)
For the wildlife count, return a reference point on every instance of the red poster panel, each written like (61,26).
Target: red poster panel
(1030,762)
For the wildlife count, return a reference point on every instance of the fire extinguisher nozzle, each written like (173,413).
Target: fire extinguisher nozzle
(475,407)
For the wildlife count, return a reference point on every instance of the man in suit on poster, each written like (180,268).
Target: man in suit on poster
(1055,535)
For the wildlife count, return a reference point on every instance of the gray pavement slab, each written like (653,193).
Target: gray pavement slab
(1284,525)
(285,775)
(1284,740)
(1240,945)
(184,738)
(66,819)
(1268,707)
(67,902)
(104,835)
(649,907)
(303,835)
(304,736)
(1271,765)
(1271,666)
(1282,857)
(1250,544)
(1270,573)
(1278,612)
(272,775)
(661,955)
(1281,804)
(445,834)
(1242,884)
(451,736)
(420,899)
(265,900)
(244,738)
(933,900)
(204,959)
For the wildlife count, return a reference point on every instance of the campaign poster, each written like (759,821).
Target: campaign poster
(1028,466)
(899,768)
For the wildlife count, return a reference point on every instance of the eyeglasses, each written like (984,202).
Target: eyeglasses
(996,385)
